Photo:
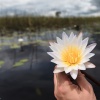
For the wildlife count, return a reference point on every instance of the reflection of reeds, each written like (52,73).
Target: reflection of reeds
(36,23)
(14,60)
(32,53)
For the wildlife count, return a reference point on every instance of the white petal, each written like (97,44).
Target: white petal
(74,74)
(84,60)
(51,43)
(59,63)
(65,39)
(67,70)
(75,67)
(59,47)
(57,55)
(82,67)
(64,36)
(71,36)
(53,48)
(59,41)
(79,39)
(73,40)
(84,43)
(92,45)
(89,65)
(56,48)
(51,54)
(80,36)
(54,55)
(56,61)
(58,70)
(89,48)
(89,55)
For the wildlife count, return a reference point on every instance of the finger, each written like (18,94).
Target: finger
(82,82)
(62,82)
(55,81)
(61,77)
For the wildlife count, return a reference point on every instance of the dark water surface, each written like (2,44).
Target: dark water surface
(34,79)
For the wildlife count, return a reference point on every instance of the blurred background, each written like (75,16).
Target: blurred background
(26,28)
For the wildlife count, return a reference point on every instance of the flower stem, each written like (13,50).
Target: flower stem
(91,78)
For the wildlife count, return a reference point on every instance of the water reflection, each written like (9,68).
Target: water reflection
(27,74)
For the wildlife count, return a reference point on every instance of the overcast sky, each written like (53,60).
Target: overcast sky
(49,7)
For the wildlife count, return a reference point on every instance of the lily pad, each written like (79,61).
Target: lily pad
(24,60)
(1,63)
(18,64)
(14,46)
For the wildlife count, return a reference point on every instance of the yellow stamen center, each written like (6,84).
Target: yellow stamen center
(71,55)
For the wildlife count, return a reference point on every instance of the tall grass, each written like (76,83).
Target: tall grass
(36,23)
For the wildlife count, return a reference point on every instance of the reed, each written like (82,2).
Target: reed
(32,23)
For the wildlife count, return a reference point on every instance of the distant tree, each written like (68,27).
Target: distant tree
(58,14)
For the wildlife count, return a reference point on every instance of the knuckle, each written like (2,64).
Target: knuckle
(90,86)
(60,89)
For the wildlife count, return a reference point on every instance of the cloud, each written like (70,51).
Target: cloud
(9,3)
(49,7)
(96,3)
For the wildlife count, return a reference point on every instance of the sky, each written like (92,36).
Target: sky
(49,7)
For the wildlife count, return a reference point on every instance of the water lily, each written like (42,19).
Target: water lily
(20,40)
(71,54)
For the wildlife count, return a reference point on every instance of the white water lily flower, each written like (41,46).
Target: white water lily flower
(20,40)
(71,54)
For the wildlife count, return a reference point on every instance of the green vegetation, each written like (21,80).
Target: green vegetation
(38,23)
(20,63)
(24,60)
(14,46)
(17,64)
(1,63)
(37,42)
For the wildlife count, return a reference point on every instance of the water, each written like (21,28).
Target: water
(28,74)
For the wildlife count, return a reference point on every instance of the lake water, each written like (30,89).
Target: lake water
(27,74)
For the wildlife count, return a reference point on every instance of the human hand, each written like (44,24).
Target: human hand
(64,89)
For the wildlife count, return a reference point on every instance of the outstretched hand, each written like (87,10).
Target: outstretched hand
(64,89)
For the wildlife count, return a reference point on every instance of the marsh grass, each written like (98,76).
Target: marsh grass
(37,23)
